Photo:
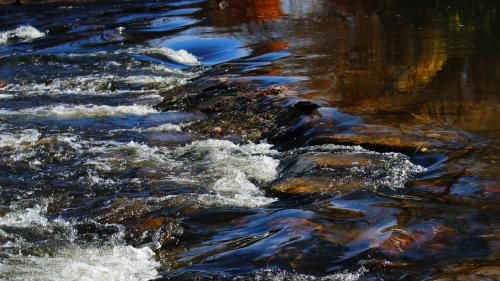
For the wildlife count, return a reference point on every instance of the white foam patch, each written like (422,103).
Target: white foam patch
(70,262)
(21,33)
(145,79)
(165,70)
(224,157)
(283,275)
(167,127)
(399,170)
(29,146)
(14,140)
(80,85)
(389,169)
(251,198)
(93,178)
(158,69)
(26,218)
(115,156)
(164,128)
(89,110)
(14,223)
(181,56)
(232,171)
(107,263)
(96,85)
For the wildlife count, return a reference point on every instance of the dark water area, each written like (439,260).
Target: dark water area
(249,140)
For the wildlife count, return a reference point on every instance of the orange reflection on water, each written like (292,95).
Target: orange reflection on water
(234,12)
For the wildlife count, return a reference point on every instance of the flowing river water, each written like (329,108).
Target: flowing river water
(249,140)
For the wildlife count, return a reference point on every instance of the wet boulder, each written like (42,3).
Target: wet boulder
(339,160)
(327,125)
(161,231)
(304,185)
(386,138)
(232,109)
(144,222)
(123,209)
(424,240)
(305,122)
(335,168)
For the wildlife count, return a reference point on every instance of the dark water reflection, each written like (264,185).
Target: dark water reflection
(420,78)
(435,60)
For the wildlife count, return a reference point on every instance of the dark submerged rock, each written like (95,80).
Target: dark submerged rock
(231,108)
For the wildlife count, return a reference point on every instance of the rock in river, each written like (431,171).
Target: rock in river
(334,168)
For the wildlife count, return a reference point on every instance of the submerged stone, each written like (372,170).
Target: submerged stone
(161,231)
(231,108)
(313,185)
(469,271)
(123,209)
(425,239)
(342,160)
(334,168)
(384,138)
(149,223)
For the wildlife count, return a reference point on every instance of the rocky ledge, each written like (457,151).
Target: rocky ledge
(243,112)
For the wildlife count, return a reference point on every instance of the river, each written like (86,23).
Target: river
(249,140)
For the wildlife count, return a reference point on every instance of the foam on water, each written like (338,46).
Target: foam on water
(89,110)
(106,85)
(167,127)
(164,128)
(107,263)
(70,262)
(232,171)
(26,218)
(28,146)
(283,275)
(160,82)
(388,169)
(109,156)
(22,33)
(14,140)
(250,198)
(17,225)
(165,70)
(180,56)
(225,157)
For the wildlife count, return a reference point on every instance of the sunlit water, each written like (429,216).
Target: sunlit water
(96,183)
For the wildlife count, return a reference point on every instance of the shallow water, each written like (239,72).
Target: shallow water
(385,166)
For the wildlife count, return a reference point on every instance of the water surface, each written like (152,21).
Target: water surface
(388,172)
